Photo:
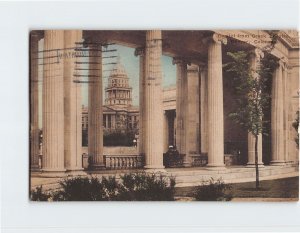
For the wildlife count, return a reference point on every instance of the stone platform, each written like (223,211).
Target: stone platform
(185,177)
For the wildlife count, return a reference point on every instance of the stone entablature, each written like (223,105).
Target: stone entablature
(261,39)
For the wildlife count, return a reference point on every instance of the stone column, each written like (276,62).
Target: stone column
(166,131)
(277,131)
(34,102)
(153,102)
(286,92)
(132,121)
(113,121)
(53,102)
(95,128)
(254,62)
(141,52)
(203,110)
(106,121)
(72,103)
(192,113)
(171,119)
(215,102)
(181,104)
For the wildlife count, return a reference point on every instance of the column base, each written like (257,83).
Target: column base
(53,169)
(75,169)
(35,168)
(215,166)
(252,165)
(277,163)
(187,164)
(154,169)
(97,167)
(53,172)
(290,162)
(78,172)
(70,169)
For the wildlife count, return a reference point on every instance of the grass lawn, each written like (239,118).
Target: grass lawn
(280,188)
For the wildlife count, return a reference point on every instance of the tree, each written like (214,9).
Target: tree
(250,85)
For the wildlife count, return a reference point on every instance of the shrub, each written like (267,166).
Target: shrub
(87,189)
(39,195)
(213,191)
(146,187)
(131,187)
(118,138)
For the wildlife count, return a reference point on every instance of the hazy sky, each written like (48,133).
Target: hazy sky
(131,64)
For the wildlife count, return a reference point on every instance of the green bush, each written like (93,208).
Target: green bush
(87,189)
(39,195)
(213,191)
(118,138)
(131,187)
(146,187)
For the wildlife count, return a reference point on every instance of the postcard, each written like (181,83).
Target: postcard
(164,115)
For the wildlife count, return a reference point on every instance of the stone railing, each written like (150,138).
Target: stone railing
(199,160)
(123,161)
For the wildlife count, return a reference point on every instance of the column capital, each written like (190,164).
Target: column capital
(192,68)
(152,35)
(140,51)
(216,38)
(89,42)
(257,53)
(180,61)
(283,63)
(37,34)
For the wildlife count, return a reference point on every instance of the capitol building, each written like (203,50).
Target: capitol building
(118,111)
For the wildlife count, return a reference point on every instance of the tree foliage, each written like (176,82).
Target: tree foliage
(250,85)
(130,187)
(213,190)
(251,92)
(118,137)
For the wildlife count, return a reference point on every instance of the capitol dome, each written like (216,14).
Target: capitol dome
(118,91)
(118,69)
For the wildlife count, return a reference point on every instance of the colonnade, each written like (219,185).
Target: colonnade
(62,105)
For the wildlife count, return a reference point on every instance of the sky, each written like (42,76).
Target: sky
(131,65)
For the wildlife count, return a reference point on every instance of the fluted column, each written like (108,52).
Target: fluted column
(106,121)
(72,104)
(254,62)
(153,101)
(113,121)
(171,120)
(181,104)
(34,102)
(95,128)
(53,102)
(166,131)
(141,52)
(203,110)
(192,113)
(277,131)
(286,93)
(215,102)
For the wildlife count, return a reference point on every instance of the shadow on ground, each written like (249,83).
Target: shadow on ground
(280,188)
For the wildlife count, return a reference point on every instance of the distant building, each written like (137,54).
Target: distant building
(118,111)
